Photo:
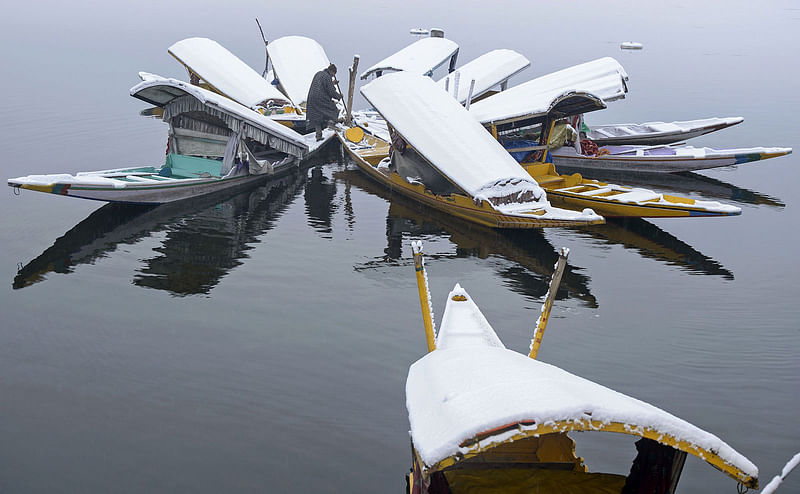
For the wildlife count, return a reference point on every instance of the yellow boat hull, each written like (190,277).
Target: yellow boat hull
(373,150)
(575,192)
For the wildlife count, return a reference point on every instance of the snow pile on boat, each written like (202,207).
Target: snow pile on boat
(488,70)
(471,384)
(226,72)
(455,144)
(420,57)
(295,60)
(604,78)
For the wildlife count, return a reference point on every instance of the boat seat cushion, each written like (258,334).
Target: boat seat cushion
(192,166)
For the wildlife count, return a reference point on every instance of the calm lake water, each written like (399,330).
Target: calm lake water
(260,342)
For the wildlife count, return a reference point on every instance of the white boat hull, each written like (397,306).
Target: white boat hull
(679,159)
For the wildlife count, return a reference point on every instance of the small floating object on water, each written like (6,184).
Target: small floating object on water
(631,45)
(419,31)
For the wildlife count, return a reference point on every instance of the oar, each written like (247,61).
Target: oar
(548,302)
(424,294)
(266,50)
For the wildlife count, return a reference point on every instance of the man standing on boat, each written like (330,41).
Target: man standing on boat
(321,110)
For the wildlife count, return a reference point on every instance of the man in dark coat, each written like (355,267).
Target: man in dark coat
(320,107)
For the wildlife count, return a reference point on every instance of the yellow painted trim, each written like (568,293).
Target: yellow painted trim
(475,447)
(38,188)
(422,288)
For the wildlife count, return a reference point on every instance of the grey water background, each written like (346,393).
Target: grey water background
(260,342)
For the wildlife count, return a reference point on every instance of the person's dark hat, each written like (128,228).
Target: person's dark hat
(332,69)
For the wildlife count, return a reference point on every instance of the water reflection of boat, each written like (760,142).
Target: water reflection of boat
(190,260)
(532,255)
(637,234)
(687,183)
(652,242)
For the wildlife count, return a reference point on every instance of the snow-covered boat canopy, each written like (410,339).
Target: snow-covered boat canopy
(500,396)
(444,134)
(295,60)
(225,72)
(421,57)
(603,78)
(488,70)
(178,97)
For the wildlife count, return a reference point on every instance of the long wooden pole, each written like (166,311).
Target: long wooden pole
(266,50)
(352,86)
(541,324)
(424,297)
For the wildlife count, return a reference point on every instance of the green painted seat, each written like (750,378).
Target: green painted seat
(182,166)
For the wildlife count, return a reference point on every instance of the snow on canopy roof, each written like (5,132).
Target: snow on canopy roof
(224,71)
(488,70)
(161,91)
(420,57)
(295,60)
(604,78)
(444,133)
(470,384)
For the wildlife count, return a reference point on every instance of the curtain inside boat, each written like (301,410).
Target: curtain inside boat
(189,104)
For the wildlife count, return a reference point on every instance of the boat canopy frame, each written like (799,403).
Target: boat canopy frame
(178,97)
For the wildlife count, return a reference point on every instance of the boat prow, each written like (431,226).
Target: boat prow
(479,411)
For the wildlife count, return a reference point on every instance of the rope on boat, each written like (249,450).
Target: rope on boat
(741,488)
(17,190)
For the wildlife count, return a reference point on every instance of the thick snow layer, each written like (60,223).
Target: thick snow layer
(604,78)
(488,70)
(167,88)
(442,131)
(420,57)
(471,384)
(295,60)
(225,71)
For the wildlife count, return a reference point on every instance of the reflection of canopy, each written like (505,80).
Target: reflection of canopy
(441,131)
(603,78)
(177,97)
(471,394)
(488,70)
(295,60)
(224,71)
(420,57)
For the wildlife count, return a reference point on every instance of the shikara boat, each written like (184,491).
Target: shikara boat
(661,159)
(214,144)
(484,418)
(511,113)
(442,157)
(654,133)
(421,57)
